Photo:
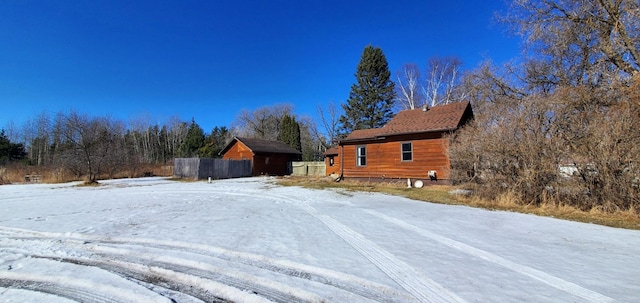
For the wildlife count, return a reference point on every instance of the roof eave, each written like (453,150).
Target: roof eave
(384,136)
(276,152)
(227,146)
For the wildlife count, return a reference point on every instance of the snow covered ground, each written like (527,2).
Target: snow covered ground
(249,240)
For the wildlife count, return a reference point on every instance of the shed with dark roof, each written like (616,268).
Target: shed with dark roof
(411,145)
(267,157)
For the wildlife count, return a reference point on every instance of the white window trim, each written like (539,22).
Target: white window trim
(358,156)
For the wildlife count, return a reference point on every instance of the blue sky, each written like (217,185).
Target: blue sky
(208,60)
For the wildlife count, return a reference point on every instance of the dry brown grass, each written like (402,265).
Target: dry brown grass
(3,176)
(622,219)
(16,173)
(443,194)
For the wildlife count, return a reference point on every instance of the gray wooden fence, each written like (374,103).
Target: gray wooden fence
(203,168)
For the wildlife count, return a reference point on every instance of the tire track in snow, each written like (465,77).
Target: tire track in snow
(173,295)
(535,274)
(198,287)
(346,282)
(57,290)
(271,290)
(71,288)
(420,286)
(168,272)
(415,283)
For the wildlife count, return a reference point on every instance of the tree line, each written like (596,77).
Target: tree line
(92,147)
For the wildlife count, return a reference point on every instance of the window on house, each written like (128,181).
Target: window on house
(266,160)
(407,151)
(361,156)
(331,161)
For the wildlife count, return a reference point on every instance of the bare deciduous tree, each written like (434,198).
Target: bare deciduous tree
(409,91)
(522,147)
(313,143)
(176,131)
(602,142)
(509,148)
(330,120)
(91,143)
(442,76)
(489,84)
(581,40)
(35,135)
(441,84)
(262,123)
(563,127)
(39,148)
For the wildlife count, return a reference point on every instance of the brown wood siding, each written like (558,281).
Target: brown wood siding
(335,169)
(278,164)
(238,151)
(384,158)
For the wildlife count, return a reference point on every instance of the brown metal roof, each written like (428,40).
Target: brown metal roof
(438,118)
(263,146)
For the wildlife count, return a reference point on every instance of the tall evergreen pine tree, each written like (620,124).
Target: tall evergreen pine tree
(371,98)
(10,151)
(290,132)
(193,141)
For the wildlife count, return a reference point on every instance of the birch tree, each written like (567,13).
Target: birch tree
(408,88)
(442,77)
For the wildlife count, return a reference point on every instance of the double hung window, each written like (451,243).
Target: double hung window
(361,155)
(407,151)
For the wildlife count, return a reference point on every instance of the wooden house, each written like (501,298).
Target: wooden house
(332,161)
(411,145)
(267,157)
